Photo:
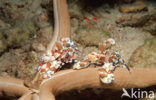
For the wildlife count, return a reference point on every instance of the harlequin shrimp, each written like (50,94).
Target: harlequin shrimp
(65,52)
(109,62)
(106,73)
(115,58)
(97,58)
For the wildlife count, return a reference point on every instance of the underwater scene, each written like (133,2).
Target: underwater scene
(77,49)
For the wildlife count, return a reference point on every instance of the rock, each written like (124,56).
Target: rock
(41,47)
(145,55)
(38,47)
(151,29)
(74,25)
(91,38)
(9,63)
(20,64)
(3,24)
(45,35)
(134,21)
(108,11)
(122,19)
(12,10)
(133,8)
(146,22)
(137,20)
(42,24)
(3,45)
(18,35)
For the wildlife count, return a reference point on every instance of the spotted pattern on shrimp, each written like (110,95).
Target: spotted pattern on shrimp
(65,52)
(109,62)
